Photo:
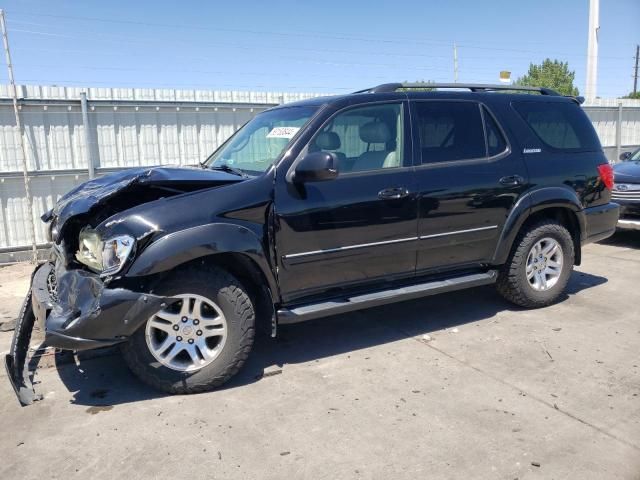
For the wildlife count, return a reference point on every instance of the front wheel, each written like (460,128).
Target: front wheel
(539,266)
(199,342)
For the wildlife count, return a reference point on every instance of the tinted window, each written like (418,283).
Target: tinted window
(562,126)
(495,140)
(449,131)
(364,138)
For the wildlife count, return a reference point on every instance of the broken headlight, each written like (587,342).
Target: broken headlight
(105,257)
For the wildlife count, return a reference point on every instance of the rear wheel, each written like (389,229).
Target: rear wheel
(199,342)
(539,266)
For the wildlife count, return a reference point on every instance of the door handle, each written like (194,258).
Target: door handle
(393,193)
(512,180)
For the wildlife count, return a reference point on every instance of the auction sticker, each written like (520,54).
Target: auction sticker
(283,132)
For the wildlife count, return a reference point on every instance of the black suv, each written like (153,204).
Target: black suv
(316,208)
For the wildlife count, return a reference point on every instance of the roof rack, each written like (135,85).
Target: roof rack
(474,87)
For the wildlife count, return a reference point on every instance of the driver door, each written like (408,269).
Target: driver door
(360,227)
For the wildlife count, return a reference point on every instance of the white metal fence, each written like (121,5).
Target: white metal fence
(133,127)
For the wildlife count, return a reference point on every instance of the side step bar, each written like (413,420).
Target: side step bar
(358,302)
(629,224)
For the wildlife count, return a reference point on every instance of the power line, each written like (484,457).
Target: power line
(349,66)
(252,48)
(71,82)
(396,40)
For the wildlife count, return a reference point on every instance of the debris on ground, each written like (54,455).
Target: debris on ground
(8,326)
(535,464)
(426,338)
(99,408)
(268,372)
(544,349)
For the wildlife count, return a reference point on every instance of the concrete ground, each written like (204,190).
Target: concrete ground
(461,385)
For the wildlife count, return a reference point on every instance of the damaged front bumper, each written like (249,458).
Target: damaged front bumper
(77,311)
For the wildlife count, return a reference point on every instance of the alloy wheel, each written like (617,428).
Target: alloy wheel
(188,334)
(544,264)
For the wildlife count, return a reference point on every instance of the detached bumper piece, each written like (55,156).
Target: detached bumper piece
(16,360)
(77,312)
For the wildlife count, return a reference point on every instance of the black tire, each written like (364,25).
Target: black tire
(512,281)
(231,297)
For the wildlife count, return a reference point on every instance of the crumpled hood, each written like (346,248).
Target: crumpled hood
(627,172)
(95,192)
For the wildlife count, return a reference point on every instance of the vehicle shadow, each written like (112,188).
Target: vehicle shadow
(107,381)
(623,238)
(103,380)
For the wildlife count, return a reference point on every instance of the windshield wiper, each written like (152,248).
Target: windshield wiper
(228,168)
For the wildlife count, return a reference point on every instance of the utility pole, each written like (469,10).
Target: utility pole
(592,50)
(16,111)
(455,63)
(635,75)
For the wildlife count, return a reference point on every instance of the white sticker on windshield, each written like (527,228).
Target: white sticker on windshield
(283,132)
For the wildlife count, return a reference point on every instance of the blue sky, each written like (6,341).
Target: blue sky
(328,46)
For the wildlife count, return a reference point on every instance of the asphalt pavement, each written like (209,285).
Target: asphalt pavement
(461,385)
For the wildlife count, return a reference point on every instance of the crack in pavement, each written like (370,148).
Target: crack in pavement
(553,407)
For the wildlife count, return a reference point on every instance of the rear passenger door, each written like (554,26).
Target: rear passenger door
(468,181)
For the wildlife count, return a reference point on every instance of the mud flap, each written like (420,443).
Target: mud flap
(16,360)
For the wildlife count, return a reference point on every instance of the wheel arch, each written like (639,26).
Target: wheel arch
(234,247)
(554,203)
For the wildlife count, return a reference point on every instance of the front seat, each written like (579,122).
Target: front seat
(376,132)
(329,141)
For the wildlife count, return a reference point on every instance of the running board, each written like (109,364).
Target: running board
(629,224)
(358,302)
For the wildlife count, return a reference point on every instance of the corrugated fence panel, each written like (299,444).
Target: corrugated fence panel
(604,121)
(10,153)
(144,126)
(45,191)
(630,126)
(149,142)
(105,126)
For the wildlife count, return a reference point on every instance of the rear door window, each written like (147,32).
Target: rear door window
(559,125)
(449,131)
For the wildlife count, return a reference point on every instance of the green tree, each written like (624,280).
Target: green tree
(552,74)
(417,86)
(635,95)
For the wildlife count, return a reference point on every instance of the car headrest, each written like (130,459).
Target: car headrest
(375,132)
(328,141)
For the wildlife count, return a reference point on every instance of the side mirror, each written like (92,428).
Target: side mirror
(625,156)
(316,167)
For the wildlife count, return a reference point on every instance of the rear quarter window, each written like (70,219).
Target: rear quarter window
(559,125)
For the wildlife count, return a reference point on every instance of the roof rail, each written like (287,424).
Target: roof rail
(474,87)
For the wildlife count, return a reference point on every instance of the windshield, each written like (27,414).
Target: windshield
(635,156)
(260,141)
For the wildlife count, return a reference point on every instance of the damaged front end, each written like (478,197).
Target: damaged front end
(76,310)
(80,298)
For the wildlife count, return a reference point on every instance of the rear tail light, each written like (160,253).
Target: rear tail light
(606,175)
